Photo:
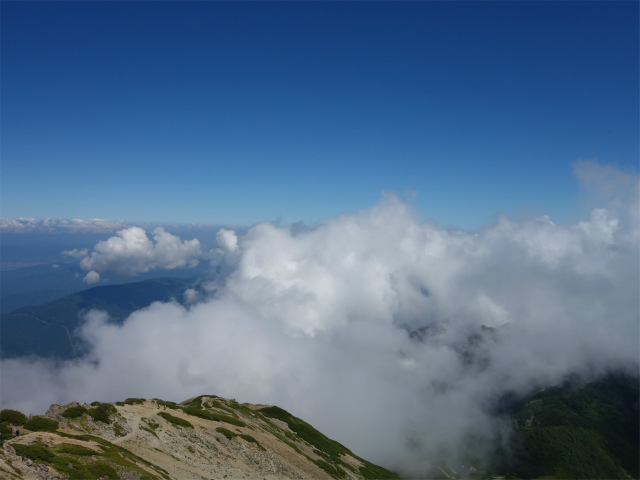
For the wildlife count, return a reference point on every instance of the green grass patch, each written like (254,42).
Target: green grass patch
(216,417)
(153,425)
(100,470)
(36,452)
(41,424)
(118,430)
(194,402)
(134,401)
(242,408)
(226,432)
(330,449)
(121,456)
(307,432)
(147,429)
(219,405)
(175,421)
(73,449)
(249,438)
(334,470)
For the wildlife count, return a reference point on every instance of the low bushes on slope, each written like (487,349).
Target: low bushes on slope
(329,449)
(74,412)
(41,424)
(102,412)
(175,421)
(198,412)
(62,458)
(36,452)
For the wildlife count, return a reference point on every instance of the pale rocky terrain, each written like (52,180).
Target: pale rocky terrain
(139,443)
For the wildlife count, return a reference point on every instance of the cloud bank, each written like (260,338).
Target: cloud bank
(391,335)
(51,225)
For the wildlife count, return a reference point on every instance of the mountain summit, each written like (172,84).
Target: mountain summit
(202,438)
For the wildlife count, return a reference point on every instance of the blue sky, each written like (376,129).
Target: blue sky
(235,113)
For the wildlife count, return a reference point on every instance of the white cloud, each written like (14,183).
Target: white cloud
(91,277)
(227,240)
(75,253)
(131,252)
(318,321)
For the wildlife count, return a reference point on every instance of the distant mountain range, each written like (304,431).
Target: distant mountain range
(48,330)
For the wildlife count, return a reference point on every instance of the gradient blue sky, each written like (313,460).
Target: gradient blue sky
(237,113)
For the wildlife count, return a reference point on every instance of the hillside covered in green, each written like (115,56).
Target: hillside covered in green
(47,330)
(576,430)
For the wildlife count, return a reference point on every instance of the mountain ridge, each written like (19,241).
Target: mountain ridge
(203,437)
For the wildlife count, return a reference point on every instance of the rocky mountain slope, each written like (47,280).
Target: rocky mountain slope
(202,438)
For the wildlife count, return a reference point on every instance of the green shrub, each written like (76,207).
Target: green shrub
(171,405)
(194,402)
(74,412)
(216,404)
(196,412)
(6,431)
(307,432)
(175,421)
(41,424)
(333,471)
(102,412)
(35,452)
(14,417)
(118,431)
(249,438)
(227,433)
(73,449)
(242,408)
(151,423)
(100,470)
(134,401)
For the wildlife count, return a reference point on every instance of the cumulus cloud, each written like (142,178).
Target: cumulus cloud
(91,277)
(227,240)
(131,252)
(391,335)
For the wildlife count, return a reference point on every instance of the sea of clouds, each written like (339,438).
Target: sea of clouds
(370,326)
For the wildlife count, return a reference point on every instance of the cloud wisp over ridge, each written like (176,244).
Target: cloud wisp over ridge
(373,326)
